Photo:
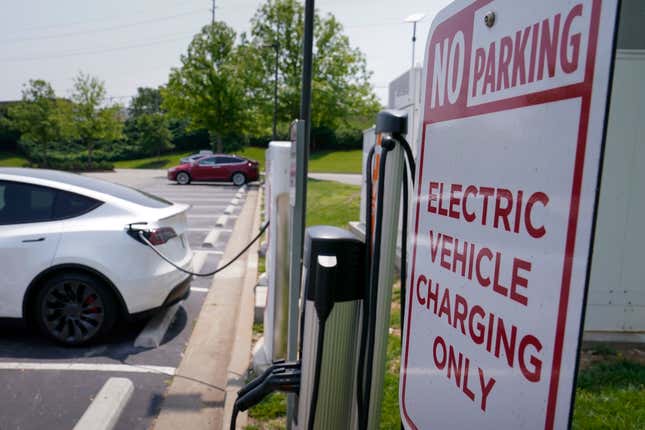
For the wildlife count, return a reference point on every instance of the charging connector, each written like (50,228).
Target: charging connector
(144,239)
(281,376)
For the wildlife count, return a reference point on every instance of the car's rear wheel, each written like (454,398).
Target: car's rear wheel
(74,309)
(239,179)
(183,178)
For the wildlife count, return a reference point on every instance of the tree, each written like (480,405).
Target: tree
(93,121)
(147,126)
(39,118)
(207,89)
(152,133)
(148,100)
(341,88)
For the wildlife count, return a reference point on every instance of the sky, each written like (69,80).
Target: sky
(134,43)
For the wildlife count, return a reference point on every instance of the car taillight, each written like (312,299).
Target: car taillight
(159,236)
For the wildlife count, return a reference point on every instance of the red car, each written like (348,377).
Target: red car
(216,167)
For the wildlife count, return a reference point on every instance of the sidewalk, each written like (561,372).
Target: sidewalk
(345,178)
(218,353)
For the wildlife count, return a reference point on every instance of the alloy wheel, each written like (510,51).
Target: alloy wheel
(72,311)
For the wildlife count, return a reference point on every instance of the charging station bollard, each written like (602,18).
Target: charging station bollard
(386,177)
(333,292)
(274,342)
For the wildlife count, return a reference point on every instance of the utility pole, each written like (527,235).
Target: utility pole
(275,92)
(213,13)
(276,47)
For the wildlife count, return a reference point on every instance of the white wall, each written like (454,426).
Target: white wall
(616,298)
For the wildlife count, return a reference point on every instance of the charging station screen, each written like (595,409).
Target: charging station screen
(513,118)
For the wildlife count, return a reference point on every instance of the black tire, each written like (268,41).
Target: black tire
(183,178)
(74,309)
(238,179)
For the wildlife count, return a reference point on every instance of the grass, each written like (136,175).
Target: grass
(611,395)
(11,159)
(336,161)
(332,203)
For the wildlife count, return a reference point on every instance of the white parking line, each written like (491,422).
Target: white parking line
(196,199)
(199,289)
(89,367)
(189,215)
(207,251)
(195,206)
(106,408)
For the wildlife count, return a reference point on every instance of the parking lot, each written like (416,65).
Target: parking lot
(48,386)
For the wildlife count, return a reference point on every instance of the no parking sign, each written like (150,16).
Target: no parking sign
(514,107)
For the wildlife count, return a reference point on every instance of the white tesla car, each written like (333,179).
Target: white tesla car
(71,259)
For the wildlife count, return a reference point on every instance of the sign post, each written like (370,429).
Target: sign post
(513,116)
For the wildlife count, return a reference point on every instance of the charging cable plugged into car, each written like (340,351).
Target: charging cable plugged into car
(153,237)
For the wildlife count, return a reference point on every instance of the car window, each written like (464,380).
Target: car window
(227,160)
(70,205)
(25,203)
(116,190)
(207,161)
(233,160)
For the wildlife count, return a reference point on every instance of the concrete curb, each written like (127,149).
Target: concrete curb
(211,239)
(221,221)
(241,354)
(153,333)
(105,410)
(196,397)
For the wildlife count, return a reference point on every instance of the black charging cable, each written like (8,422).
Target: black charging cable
(368,261)
(411,168)
(323,303)
(145,240)
(366,351)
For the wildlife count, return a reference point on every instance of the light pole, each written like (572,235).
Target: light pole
(276,47)
(414,18)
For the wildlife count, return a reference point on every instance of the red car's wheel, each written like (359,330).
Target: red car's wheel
(239,179)
(183,178)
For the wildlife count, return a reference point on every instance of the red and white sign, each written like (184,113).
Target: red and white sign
(513,122)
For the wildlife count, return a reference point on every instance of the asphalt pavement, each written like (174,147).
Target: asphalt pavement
(49,386)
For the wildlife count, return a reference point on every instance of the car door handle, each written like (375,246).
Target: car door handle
(40,239)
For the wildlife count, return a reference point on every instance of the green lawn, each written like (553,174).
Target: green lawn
(336,161)
(332,203)
(611,395)
(11,159)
